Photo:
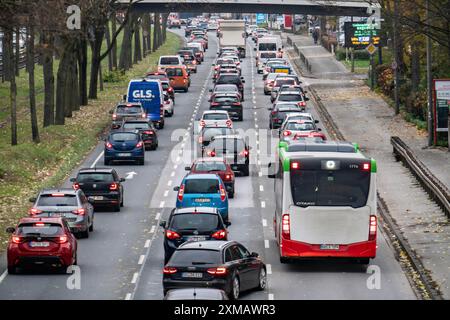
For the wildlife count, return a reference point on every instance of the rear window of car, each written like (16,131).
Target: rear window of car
(295,126)
(95,177)
(293,108)
(128,110)
(57,200)
(226,99)
(228,79)
(268,55)
(193,186)
(42,229)
(210,166)
(280,82)
(215,116)
(174,72)
(290,97)
(197,221)
(169,61)
(124,137)
(286,106)
(196,257)
(225,61)
(226,88)
(211,132)
(228,144)
(136,125)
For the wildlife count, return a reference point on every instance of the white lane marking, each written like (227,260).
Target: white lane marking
(269,268)
(261,188)
(175,167)
(166,193)
(152,230)
(264,222)
(135,277)
(266,244)
(162,204)
(147,243)
(141,259)
(169,184)
(173,174)
(3,276)
(158,215)
(263,204)
(128,296)
(260,174)
(271,297)
(98,159)
(178,159)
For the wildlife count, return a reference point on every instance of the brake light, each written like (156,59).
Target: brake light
(114,116)
(373,228)
(216,67)
(114,186)
(172,235)
(223,193)
(169,270)
(16,239)
(274,113)
(57,194)
(236,104)
(220,235)
(34,211)
(202,123)
(76,186)
(286,226)
(80,212)
(61,239)
(149,132)
(211,153)
(170,89)
(181,193)
(140,145)
(287,133)
(108,145)
(220,271)
(39,224)
(295,165)
(229,123)
(228,177)
(366,167)
(244,153)
(301,104)
(214,104)
(144,115)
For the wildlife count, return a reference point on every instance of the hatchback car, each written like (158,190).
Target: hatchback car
(293,127)
(289,88)
(216,118)
(146,129)
(280,81)
(233,149)
(102,186)
(208,133)
(70,204)
(228,102)
(225,88)
(124,111)
(218,166)
(215,264)
(41,241)
(279,111)
(203,190)
(269,81)
(292,96)
(124,146)
(179,78)
(192,224)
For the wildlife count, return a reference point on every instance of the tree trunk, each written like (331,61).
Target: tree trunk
(156,32)
(32,91)
(114,48)
(108,43)
(415,66)
(137,41)
(149,32)
(6,62)
(9,56)
(100,74)
(96,46)
(17,52)
(62,96)
(125,53)
(164,27)
(49,80)
(82,66)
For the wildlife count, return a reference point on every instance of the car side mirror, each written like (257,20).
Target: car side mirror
(122,180)
(242,78)
(187,168)
(270,109)
(214,63)
(318,129)
(227,224)
(176,189)
(124,97)
(271,175)
(10,230)
(254,255)
(32,200)
(72,180)
(306,99)
(163,224)
(111,111)
(254,49)
(243,81)
(316,121)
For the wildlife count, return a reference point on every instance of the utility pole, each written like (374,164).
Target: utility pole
(396,60)
(429,82)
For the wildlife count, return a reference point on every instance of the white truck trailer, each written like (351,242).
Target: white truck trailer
(232,34)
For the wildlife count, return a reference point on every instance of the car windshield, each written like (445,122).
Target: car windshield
(124,137)
(169,61)
(194,186)
(195,221)
(42,229)
(215,116)
(95,177)
(128,109)
(191,257)
(210,166)
(230,145)
(299,126)
(290,97)
(136,125)
(212,132)
(156,76)
(344,187)
(286,106)
(272,76)
(63,200)
(226,99)
(224,61)
(174,72)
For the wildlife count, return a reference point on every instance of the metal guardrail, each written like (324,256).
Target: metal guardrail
(300,54)
(435,188)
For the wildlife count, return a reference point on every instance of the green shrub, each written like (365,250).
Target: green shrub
(340,54)
(114,76)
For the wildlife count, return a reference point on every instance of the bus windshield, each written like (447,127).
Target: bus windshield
(267,47)
(330,188)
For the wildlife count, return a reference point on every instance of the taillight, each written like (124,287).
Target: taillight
(295,165)
(366,167)
(140,145)
(202,123)
(223,193)
(108,145)
(220,271)
(170,89)
(114,116)
(244,153)
(228,177)
(220,235)
(172,235)
(80,212)
(149,132)
(114,186)
(373,228)
(34,211)
(229,123)
(76,186)
(287,133)
(214,104)
(211,153)
(16,239)
(216,67)
(301,104)
(61,239)
(167,102)
(169,270)
(144,115)
(274,112)
(181,193)
(286,227)
(236,104)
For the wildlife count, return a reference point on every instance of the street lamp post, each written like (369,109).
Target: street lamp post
(429,82)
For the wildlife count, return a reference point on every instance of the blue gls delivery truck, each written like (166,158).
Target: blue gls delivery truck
(150,94)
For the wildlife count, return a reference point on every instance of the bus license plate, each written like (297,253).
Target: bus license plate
(329,247)
(39,244)
(197,275)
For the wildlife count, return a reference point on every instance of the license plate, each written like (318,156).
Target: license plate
(98,198)
(192,275)
(56,214)
(124,154)
(196,238)
(202,200)
(329,247)
(226,107)
(39,244)
(234,167)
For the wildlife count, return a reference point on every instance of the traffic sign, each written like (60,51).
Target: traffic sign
(371,49)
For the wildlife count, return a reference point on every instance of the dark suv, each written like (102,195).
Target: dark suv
(230,78)
(102,185)
(146,129)
(229,102)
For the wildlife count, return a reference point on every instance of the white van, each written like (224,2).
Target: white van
(166,61)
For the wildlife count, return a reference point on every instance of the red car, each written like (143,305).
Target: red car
(217,166)
(41,241)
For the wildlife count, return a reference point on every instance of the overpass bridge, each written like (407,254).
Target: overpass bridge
(313,7)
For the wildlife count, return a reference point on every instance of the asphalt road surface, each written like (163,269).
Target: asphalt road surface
(123,258)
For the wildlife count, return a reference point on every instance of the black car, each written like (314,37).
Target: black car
(192,224)
(196,294)
(229,102)
(279,111)
(101,185)
(146,129)
(230,78)
(215,264)
(234,150)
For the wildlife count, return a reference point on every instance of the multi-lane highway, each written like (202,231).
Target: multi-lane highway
(123,257)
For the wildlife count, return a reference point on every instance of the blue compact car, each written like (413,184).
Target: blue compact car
(124,146)
(203,190)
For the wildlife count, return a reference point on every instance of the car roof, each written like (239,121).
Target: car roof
(196,210)
(229,136)
(60,190)
(208,245)
(225,85)
(215,111)
(209,159)
(43,219)
(96,169)
(129,104)
(201,176)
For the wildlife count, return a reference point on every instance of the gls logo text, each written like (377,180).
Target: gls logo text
(74,19)
(140,94)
